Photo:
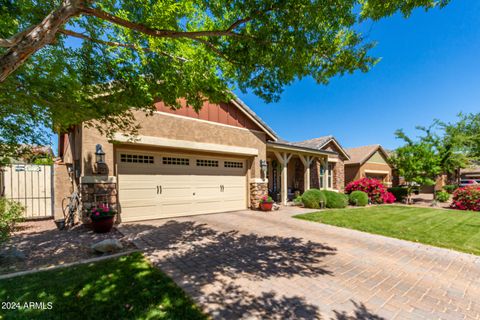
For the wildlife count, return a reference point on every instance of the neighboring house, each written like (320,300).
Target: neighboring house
(468,174)
(368,162)
(183,163)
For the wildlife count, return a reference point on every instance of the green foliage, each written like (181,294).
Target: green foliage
(358,198)
(335,200)
(400,193)
(11,212)
(442,196)
(128,287)
(113,69)
(48,160)
(312,198)
(298,201)
(450,188)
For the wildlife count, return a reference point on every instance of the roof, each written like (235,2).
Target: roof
(321,142)
(360,155)
(249,112)
(293,146)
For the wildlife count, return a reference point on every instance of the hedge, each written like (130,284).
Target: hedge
(358,198)
(335,200)
(312,198)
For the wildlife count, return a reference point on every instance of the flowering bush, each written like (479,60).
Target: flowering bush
(466,198)
(102,211)
(377,192)
(266,199)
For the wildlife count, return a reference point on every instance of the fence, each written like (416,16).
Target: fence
(31,185)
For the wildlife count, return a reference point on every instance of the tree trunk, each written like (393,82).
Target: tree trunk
(37,37)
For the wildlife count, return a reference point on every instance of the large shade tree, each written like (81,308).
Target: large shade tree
(65,62)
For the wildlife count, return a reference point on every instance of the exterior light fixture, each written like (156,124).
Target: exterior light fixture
(99,154)
(263,167)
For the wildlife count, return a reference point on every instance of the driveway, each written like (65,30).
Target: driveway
(268,265)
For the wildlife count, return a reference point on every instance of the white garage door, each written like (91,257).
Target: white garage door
(152,185)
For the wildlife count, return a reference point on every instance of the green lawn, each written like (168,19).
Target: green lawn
(458,230)
(123,288)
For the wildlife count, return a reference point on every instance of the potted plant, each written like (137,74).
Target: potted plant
(266,203)
(102,218)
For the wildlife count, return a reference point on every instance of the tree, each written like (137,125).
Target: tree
(63,62)
(417,162)
(465,133)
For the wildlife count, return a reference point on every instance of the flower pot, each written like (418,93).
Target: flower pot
(60,223)
(266,206)
(103,224)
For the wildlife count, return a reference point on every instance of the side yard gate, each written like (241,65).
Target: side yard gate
(31,185)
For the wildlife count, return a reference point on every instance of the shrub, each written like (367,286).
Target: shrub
(358,198)
(442,196)
(312,198)
(10,214)
(400,193)
(298,201)
(335,200)
(466,198)
(450,188)
(377,193)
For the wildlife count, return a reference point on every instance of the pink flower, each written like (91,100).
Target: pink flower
(97,213)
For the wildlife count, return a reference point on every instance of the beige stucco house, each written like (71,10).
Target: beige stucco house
(185,163)
(368,162)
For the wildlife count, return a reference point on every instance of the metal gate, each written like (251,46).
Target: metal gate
(31,185)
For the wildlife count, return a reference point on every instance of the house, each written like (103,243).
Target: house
(222,158)
(368,162)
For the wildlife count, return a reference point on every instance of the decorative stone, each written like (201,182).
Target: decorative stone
(11,254)
(257,191)
(108,245)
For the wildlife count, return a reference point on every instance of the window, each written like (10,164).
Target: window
(329,176)
(207,163)
(233,164)
(135,158)
(176,161)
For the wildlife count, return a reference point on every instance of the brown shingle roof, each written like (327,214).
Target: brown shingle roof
(362,154)
(320,142)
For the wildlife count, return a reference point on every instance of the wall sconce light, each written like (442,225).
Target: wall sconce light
(99,154)
(263,167)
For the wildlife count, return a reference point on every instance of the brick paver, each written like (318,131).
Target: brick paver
(268,265)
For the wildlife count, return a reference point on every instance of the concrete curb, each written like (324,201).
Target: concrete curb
(66,265)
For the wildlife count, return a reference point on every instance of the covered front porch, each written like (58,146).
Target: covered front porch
(293,169)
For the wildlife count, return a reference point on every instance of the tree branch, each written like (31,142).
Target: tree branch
(155,32)
(117,44)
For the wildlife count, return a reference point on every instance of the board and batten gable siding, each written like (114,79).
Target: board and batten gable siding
(224,113)
(177,128)
(377,158)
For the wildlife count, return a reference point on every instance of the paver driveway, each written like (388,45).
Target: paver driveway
(268,265)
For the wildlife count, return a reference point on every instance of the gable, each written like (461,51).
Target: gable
(223,113)
(377,158)
(332,146)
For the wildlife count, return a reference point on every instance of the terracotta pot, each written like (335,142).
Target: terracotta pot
(103,225)
(266,206)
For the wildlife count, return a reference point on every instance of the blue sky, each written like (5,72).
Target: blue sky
(430,68)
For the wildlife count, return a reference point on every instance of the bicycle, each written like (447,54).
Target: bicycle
(70,209)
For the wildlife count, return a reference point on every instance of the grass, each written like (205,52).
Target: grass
(458,230)
(123,288)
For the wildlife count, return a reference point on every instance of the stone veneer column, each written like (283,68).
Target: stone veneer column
(99,189)
(339,177)
(258,189)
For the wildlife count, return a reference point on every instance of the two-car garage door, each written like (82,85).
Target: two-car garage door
(161,185)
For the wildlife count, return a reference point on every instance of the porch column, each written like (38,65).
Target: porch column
(307,161)
(283,158)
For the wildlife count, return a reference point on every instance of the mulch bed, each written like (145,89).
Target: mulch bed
(44,245)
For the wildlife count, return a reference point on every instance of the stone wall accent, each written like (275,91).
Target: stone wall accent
(339,176)
(97,193)
(257,191)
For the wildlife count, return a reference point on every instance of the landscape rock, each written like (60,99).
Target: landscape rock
(11,255)
(108,245)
